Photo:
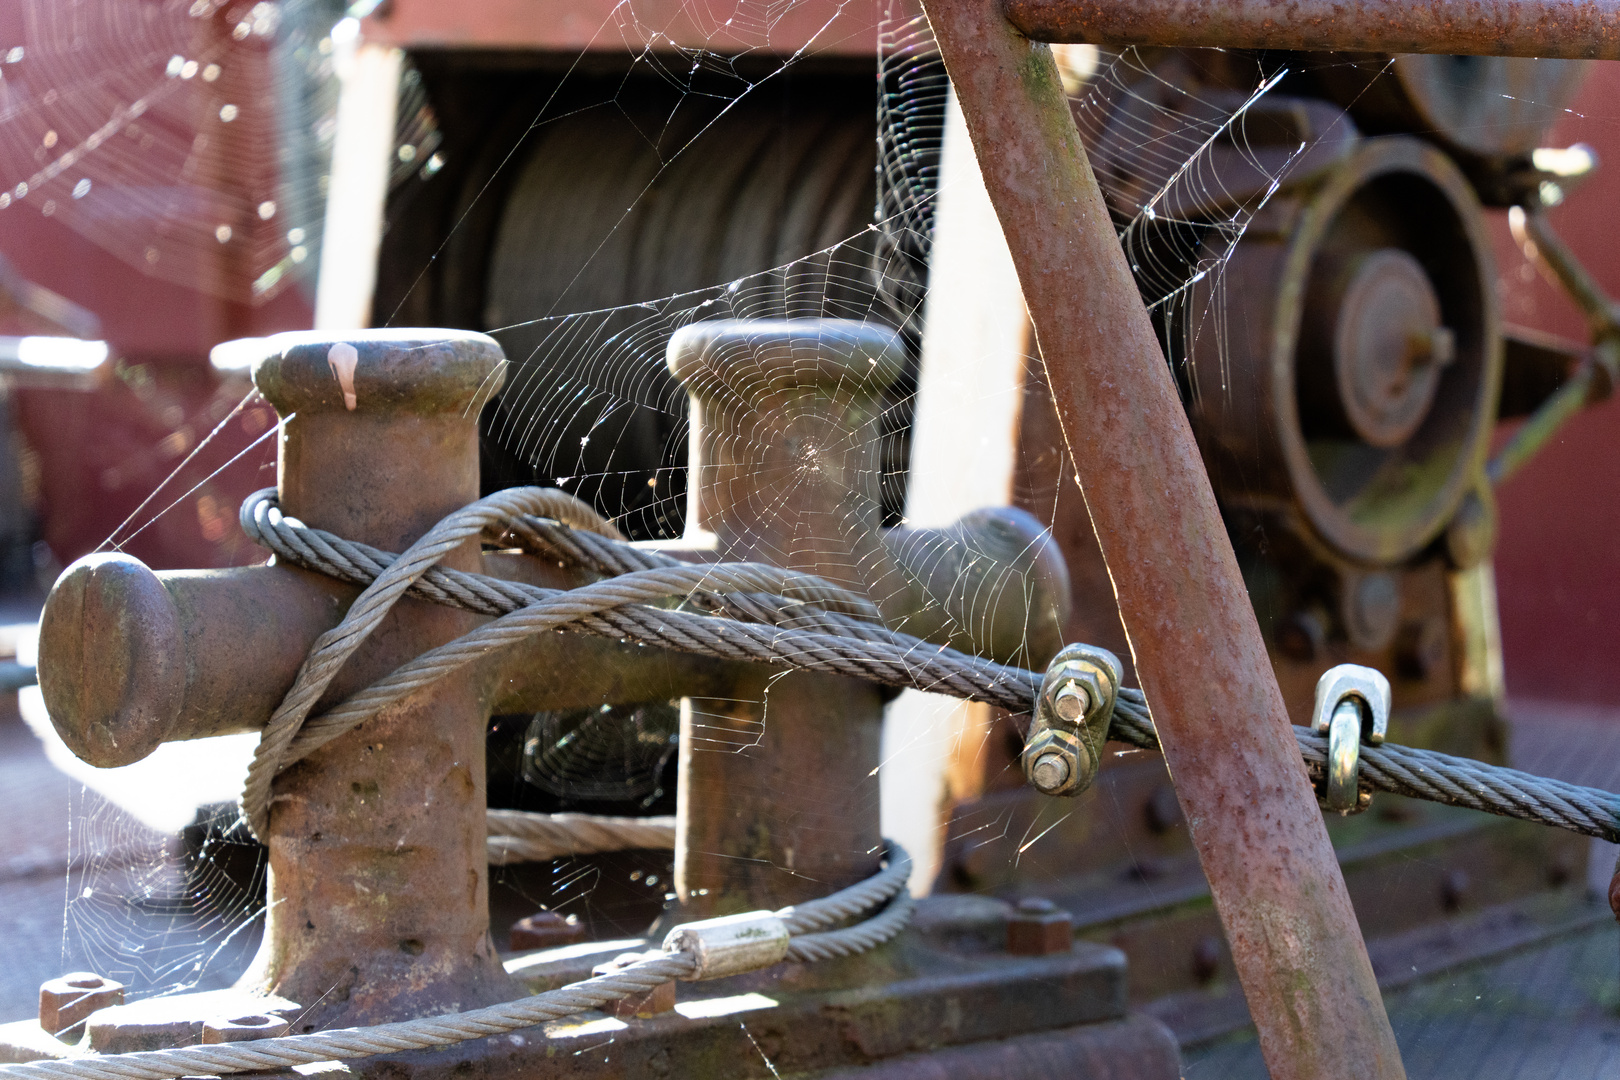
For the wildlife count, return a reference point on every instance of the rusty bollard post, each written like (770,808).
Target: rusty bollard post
(378,907)
(778,782)
(378,882)
(379,878)
(378,904)
(777,800)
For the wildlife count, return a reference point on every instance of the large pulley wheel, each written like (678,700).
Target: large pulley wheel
(1345,371)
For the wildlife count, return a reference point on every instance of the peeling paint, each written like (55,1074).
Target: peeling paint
(343,358)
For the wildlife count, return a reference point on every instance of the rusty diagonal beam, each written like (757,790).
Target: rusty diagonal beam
(1199,655)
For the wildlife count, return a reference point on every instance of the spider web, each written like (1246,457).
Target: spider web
(605,205)
(693,185)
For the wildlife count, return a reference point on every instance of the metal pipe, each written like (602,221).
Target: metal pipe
(1565,404)
(1567,29)
(1542,244)
(1199,655)
(1594,379)
(136,658)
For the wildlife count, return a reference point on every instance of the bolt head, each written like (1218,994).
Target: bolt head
(1050,772)
(1074,690)
(1038,928)
(1071,702)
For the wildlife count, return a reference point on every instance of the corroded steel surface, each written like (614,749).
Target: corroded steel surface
(784,470)
(377,840)
(1198,651)
(378,905)
(1568,29)
(778,780)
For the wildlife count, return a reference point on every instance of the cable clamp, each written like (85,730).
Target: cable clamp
(1073,711)
(1352,704)
(731,944)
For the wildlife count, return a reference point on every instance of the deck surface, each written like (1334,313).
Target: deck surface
(1552,1011)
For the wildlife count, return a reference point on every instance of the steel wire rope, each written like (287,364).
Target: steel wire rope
(808,941)
(554,524)
(832,641)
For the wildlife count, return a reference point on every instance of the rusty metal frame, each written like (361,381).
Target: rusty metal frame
(1198,650)
(1566,29)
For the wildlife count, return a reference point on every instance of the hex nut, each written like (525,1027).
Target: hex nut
(244,1028)
(1038,928)
(660,999)
(1079,767)
(66,1003)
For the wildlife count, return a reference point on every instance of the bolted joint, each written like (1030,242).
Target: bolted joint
(1058,762)
(1073,710)
(1074,690)
(1072,701)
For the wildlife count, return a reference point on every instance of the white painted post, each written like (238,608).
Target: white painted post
(969,397)
(362,154)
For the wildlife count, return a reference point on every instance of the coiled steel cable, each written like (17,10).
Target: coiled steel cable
(807,942)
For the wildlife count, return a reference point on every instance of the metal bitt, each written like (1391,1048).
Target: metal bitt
(378,904)
(1568,29)
(1063,748)
(778,779)
(1197,648)
(1352,704)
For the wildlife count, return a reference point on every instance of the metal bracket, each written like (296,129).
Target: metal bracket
(1352,704)
(1063,749)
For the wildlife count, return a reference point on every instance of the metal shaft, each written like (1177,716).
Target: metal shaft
(1568,29)
(1198,651)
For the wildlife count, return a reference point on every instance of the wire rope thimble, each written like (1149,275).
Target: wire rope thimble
(1073,710)
(1352,705)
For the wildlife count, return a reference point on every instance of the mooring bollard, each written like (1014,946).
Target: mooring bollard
(378,877)
(378,895)
(778,782)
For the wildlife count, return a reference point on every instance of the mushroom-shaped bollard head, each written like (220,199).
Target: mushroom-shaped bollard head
(391,372)
(111,662)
